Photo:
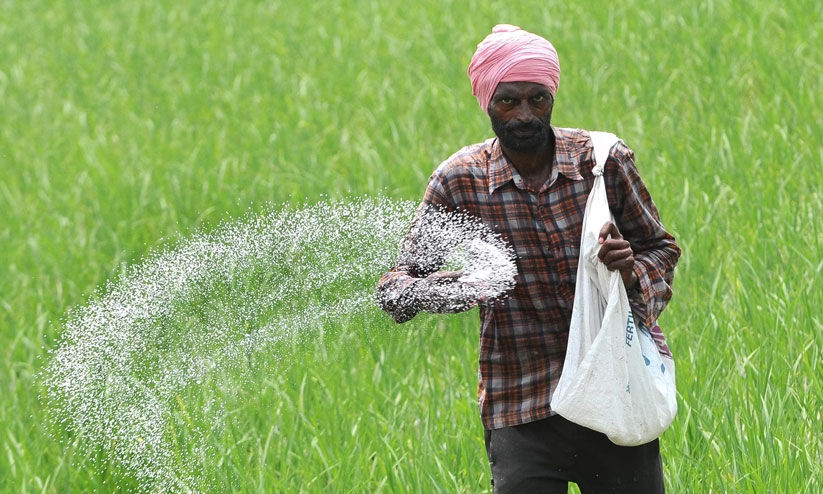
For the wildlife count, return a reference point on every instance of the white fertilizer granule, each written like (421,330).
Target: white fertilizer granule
(191,313)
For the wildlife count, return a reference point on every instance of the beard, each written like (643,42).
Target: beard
(521,136)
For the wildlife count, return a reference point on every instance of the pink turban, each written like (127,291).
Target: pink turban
(511,54)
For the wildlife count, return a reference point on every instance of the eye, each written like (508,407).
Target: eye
(506,100)
(539,98)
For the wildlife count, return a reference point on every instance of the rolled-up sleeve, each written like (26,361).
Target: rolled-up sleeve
(394,290)
(655,250)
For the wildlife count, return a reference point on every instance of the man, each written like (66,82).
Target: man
(531,184)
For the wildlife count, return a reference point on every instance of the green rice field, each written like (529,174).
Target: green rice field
(127,126)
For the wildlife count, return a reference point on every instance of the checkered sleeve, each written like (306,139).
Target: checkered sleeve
(655,250)
(394,290)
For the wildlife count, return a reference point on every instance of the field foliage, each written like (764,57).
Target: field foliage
(125,126)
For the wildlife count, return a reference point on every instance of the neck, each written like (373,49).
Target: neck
(532,163)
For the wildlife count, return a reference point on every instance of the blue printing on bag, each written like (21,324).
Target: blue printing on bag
(629,329)
(630,333)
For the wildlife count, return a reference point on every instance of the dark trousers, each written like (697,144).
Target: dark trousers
(544,456)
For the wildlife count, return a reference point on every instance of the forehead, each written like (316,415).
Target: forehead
(520,89)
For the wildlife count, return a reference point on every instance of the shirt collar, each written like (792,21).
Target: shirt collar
(500,170)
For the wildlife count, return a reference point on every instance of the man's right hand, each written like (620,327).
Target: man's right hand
(431,294)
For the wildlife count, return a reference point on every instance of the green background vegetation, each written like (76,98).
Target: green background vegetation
(126,125)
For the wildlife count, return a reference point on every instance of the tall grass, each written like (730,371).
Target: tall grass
(126,125)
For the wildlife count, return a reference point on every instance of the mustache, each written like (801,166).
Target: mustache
(533,126)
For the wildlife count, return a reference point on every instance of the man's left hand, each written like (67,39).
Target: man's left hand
(616,253)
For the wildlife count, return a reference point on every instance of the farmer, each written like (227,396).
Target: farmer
(530,183)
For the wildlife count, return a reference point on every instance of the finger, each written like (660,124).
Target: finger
(604,231)
(609,228)
(622,264)
(612,245)
(617,255)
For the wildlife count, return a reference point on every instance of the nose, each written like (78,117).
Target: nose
(523,112)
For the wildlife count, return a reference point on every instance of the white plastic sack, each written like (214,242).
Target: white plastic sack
(614,379)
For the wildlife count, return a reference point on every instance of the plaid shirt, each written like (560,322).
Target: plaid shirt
(523,337)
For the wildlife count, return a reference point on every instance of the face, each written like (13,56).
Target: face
(521,113)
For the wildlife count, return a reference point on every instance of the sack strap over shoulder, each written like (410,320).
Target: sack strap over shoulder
(602,143)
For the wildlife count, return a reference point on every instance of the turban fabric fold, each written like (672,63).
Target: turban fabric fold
(511,54)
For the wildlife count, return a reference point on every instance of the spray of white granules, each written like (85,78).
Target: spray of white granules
(189,315)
